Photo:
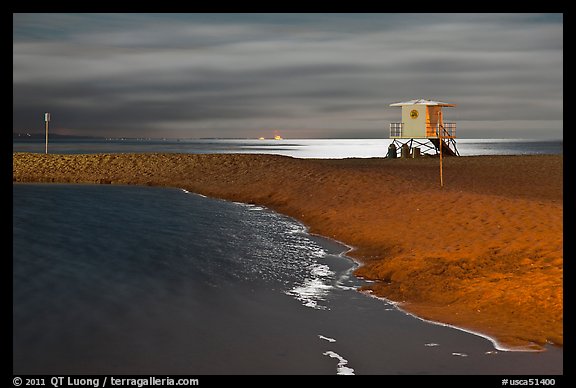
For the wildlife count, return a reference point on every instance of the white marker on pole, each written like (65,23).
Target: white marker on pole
(47,120)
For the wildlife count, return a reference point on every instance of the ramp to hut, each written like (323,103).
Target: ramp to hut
(446,150)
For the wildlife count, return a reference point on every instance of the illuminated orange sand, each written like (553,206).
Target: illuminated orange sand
(484,253)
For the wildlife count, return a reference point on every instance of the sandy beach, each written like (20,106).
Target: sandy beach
(483,254)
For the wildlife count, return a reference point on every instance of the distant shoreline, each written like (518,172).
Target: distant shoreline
(484,253)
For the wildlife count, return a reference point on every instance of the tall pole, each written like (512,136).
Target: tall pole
(46,120)
(441,143)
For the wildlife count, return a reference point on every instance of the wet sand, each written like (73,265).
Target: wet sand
(484,253)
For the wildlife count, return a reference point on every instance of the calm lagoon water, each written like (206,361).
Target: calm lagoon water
(139,280)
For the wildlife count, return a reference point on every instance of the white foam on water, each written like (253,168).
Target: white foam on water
(311,292)
(346,288)
(326,338)
(342,369)
(497,345)
(315,288)
(321,270)
(249,206)
(459,354)
(432,344)
(345,276)
(189,192)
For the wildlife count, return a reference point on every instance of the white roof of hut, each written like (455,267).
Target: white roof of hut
(422,102)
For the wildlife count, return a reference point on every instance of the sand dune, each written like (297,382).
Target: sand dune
(484,253)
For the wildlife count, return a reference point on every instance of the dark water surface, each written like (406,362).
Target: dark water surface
(298,148)
(119,279)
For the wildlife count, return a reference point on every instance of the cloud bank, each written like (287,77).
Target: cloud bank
(307,75)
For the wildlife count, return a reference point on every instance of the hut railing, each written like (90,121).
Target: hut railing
(432,130)
(448,130)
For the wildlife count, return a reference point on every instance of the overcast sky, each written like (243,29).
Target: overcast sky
(305,75)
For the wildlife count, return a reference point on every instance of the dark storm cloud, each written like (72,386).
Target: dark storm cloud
(310,75)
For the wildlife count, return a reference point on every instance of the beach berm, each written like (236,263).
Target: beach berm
(484,253)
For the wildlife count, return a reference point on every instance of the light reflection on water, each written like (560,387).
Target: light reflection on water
(300,148)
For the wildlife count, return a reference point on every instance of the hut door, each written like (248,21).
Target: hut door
(431,120)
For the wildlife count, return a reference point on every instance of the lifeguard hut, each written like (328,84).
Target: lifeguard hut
(423,125)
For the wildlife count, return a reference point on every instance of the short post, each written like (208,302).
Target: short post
(46,120)
(405,151)
(392,151)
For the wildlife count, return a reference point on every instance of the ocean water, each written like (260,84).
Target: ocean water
(141,280)
(306,148)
